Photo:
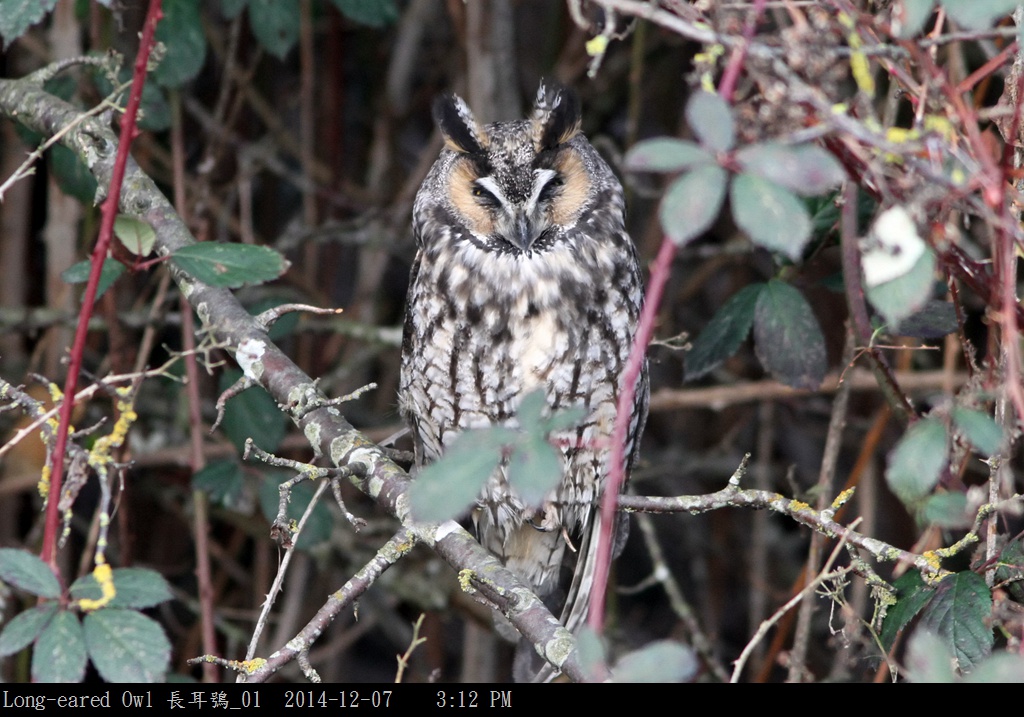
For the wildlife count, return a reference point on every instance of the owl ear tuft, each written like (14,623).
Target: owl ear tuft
(556,116)
(460,129)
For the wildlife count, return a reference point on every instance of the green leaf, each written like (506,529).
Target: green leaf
(946,510)
(79,274)
(532,407)
(230,265)
(136,588)
(275,24)
(320,522)
(231,8)
(724,333)
(711,120)
(73,177)
(914,14)
(59,655)
(934,320)
(375,13)
(445,488)
(1003,668)
(534,469)
(252,413)
(1010,573)
(692,202)
(805,169)
(25,628)
(903,296)
(590,652)
(127,646)
(928,660)
(958,615)
(27,572)
(978,14)
(221,481)
(787,338)
(665,154)
(912,594)
(17,16)
(771,216)
(663,661)
(917,460)
(181,31)
(136,235)
(562,420)
(980,429)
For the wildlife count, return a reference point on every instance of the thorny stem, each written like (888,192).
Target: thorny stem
(623,418)
(109,213)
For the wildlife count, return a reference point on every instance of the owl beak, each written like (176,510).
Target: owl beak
(523,234)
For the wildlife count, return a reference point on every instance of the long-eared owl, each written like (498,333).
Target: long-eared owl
(524,278)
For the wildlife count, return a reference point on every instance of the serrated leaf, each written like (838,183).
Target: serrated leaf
(136,588)
(230,265)
(928,660)
(978,14)
(916,462)
(805,169)
(900,298)
(181,31)
(251,414)
(27,572)
(787,338)
(320,522)
(711,120)
(912,594)
(135,235)
(1010,573)
(980,429)
(73,177)
(275,24)
(222,481)
(724,333)
(79,274)
(59,655)
(17,16)
(25,628)
(946,510)
(934,320)
(773,217)
(445,488)
(127,646)
(663,661)
(375,13)
(910,18)
(534,469)
(958,615)
(665,154)
(692,202)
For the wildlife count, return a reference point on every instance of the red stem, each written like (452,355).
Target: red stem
(732,72)
(623,417)
(109,213)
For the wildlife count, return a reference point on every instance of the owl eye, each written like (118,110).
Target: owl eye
(551,188)
(484,197)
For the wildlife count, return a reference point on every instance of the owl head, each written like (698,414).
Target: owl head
(515,186)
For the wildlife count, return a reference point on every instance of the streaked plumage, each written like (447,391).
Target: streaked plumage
(524,278)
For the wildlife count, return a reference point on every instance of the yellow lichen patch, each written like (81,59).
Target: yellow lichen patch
(842,498)
(465,580)
(797,505)
(105,578)
(250,666)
